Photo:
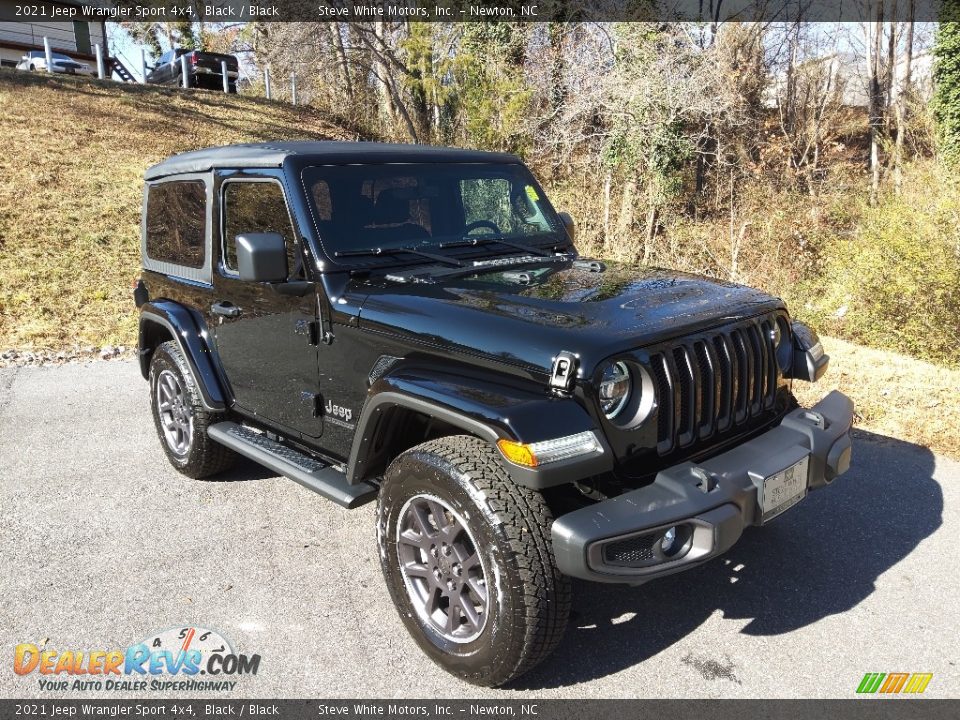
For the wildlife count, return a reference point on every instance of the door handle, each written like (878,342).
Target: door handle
(227,309)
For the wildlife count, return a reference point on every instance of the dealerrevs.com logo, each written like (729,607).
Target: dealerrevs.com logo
(185,658)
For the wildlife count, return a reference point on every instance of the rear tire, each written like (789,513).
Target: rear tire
(467,558)
(180,418)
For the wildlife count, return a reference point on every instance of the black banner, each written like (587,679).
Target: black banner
(872,709)
(484,10)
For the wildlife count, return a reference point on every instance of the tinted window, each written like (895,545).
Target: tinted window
(176,218)
(492,200)
(416,205)
(256,207)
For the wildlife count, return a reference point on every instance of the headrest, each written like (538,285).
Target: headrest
(391,207)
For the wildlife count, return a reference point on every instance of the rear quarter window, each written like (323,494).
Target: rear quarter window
(176,223)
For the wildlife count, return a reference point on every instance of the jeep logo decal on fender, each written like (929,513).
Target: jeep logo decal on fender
(338,411)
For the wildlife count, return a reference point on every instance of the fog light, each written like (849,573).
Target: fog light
(668,541)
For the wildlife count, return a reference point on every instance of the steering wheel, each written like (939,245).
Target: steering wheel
(477,224)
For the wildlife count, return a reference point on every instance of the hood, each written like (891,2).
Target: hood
(554,306)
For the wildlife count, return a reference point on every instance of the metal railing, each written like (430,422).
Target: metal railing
(105,70)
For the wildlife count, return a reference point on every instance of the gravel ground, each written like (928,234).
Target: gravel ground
(102,543)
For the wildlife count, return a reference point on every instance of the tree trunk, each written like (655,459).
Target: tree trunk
(625,220)
(653,216)
(387,103)
(903,96)
(337,42)
(606,207)
(876,112)
(734,245)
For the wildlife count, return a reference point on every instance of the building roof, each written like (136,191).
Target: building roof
(273,154)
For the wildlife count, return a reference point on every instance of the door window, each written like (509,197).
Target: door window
(257,207)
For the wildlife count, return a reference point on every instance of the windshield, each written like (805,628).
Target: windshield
(361,207)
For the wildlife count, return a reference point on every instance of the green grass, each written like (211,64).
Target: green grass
(71,179)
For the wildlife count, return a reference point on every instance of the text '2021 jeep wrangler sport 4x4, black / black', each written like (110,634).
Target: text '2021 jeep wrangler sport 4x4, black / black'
(415,324)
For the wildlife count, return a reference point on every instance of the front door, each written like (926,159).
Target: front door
(265,332)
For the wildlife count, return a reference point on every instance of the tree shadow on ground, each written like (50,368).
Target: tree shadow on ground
(819,559)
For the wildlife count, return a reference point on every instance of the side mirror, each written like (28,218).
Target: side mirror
(569,225)
(262,257)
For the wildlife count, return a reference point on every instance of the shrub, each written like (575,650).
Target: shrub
(895,282)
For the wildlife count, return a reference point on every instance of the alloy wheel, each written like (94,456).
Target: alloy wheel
(442,569)
(175,412)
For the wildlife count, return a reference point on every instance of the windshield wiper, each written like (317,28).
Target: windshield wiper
(376,251)
(478,241)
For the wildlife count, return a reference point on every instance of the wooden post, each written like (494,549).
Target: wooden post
(184,70)
(266,81)
(226,78)
(48,55)
(293,88)
(101,72)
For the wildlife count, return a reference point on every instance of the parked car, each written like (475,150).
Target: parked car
(205,70)
(37,60)
(414,324)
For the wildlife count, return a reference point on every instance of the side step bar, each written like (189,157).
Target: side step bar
(312,474)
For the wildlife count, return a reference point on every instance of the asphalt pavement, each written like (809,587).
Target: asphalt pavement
(103,544)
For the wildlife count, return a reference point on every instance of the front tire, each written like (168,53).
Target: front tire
(467,558)
(180,418)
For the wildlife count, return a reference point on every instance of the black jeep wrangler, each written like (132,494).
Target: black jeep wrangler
(414,324)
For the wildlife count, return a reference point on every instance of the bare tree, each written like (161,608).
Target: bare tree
(875,75)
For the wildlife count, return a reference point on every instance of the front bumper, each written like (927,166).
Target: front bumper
(709,502)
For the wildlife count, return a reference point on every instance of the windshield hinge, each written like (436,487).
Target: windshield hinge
(564,372)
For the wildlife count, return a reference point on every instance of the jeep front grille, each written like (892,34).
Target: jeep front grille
(710,384)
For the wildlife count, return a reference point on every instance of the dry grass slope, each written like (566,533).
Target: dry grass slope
(71,174)
(71,171)
(895,395)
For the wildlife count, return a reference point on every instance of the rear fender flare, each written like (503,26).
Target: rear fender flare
(183,328)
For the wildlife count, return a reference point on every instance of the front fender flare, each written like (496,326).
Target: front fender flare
(183,328)
(490,411)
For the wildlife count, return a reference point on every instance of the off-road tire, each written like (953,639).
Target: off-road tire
(205,457)
(528,598)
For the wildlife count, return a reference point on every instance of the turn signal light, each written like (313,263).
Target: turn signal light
(518,453)
(548,451)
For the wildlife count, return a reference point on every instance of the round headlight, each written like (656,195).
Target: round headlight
(782,344)
(614,389)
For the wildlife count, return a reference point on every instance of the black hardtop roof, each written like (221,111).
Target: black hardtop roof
(273,154)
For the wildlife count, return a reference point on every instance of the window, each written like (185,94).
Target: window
(257,207)
(322,202)
(176,222)
(489,201)
(81,31)
(420,205)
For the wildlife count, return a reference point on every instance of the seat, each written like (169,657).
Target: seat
(391,223)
